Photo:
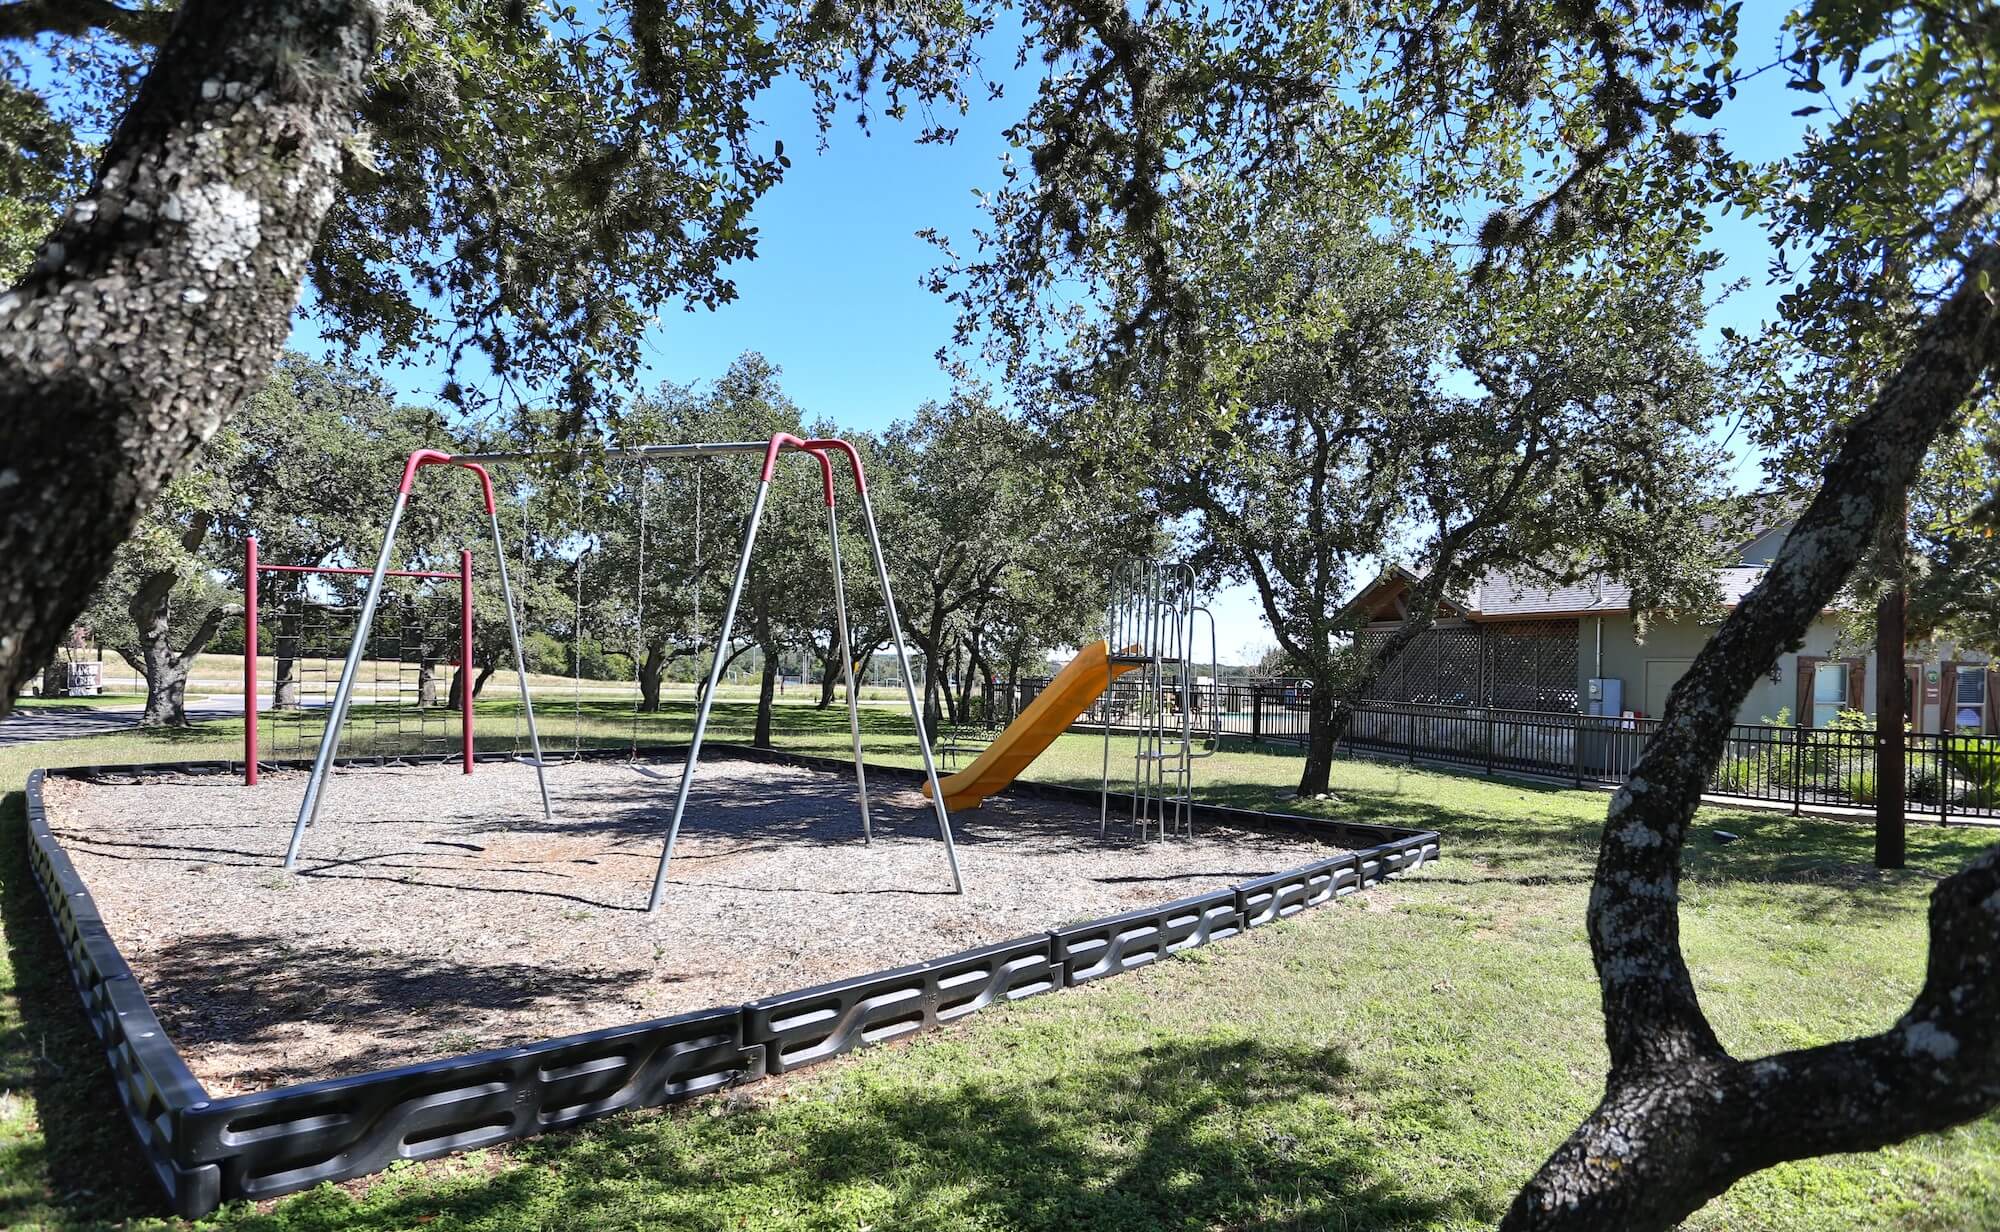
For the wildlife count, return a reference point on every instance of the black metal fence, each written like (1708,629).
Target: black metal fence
(1264,709)
(1951,776)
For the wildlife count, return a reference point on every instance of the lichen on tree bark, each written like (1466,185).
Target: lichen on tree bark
(1681,1119)
(165,293)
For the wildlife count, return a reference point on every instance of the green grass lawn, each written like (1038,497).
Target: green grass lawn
(78,703)
(1402,1060)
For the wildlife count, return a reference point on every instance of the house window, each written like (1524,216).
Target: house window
(1829,692)
(1969,700)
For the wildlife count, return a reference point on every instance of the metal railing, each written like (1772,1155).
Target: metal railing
(1260,710)
(1948,776)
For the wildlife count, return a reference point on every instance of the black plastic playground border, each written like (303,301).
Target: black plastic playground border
(205,1151)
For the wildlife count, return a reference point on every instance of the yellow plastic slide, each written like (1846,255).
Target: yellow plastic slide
(1072,691)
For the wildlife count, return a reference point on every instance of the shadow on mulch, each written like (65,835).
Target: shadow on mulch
(251,988)
(815,806)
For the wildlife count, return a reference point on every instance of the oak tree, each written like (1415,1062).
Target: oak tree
(1564,120)
(513,189)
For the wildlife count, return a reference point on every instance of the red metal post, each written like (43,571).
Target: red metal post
(465,652)
(250,661)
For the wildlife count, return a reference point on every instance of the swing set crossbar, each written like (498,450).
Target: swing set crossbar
(821,450)
(412,573)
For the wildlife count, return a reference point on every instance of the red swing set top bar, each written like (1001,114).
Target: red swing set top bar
(422,573)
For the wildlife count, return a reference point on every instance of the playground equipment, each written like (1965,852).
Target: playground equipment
(343,697)
(819,449)
(1073,691)
(1152,618)
(1153,615)
(405,652)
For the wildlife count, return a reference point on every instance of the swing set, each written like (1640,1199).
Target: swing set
(823,450)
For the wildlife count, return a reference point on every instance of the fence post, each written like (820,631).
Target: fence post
(1798,765)
(1489,742)
(1256,714)
(1576,747)
(1944,777)
(1410,743)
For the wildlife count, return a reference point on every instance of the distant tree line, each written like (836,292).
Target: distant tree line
(996,551)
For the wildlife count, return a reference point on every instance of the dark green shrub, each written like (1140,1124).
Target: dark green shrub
(1976,761)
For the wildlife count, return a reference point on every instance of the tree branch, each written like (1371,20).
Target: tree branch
(72,18)
(1680,1120)
(1942,1058)
(1651,1013)
(205,631)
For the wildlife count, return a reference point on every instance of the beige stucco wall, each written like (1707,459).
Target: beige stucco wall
(1669,646)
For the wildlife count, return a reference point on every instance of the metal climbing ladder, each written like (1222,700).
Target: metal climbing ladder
(1152,625)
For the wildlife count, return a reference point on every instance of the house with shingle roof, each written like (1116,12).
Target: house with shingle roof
(1522,645)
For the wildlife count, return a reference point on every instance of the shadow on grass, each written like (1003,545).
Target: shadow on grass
(1532,833)
(77,1160)
(1196,1134)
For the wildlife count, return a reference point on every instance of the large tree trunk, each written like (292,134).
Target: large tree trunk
(166,668)
(1316,778)
(973,675)
(767,685)
(285,672)
(946,693)
(1334,697)
(166,687)
(275,609)
(164,295)
(829,672)
(1681,1119)
(651,668)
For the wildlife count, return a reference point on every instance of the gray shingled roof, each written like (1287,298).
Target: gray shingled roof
(1502,596)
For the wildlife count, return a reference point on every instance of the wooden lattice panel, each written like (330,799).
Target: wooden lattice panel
(1531,665)
(1520,665)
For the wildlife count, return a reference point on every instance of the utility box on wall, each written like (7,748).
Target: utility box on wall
(1604,695)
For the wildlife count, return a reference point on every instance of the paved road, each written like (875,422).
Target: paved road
(31,726)
(36,725)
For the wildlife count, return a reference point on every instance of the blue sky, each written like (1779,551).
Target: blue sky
(834,296)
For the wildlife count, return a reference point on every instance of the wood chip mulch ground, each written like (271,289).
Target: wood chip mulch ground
(435,914)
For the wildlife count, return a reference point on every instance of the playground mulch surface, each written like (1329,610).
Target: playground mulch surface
(435,914)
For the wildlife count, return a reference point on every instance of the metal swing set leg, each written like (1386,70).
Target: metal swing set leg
(819,449)
(329,745)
